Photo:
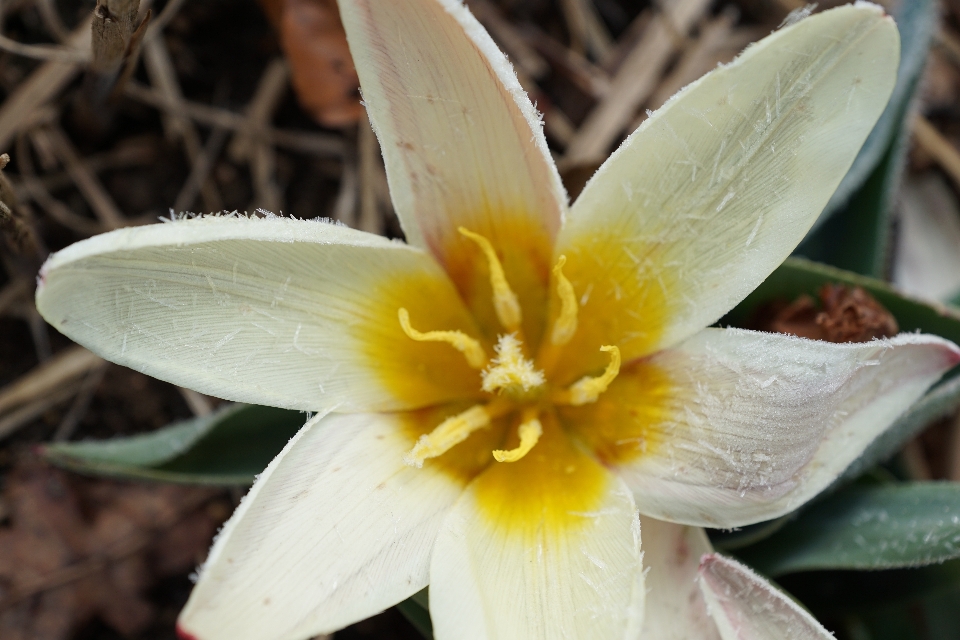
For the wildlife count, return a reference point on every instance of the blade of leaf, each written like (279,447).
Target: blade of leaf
(857,237)
(839,592)
(916,21)
(866,527)
(228,447)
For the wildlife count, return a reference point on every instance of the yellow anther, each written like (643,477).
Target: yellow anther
(511,371)
(460,341)
(587,389)
(448,434)
(530,432)
(504,299)
(566,323)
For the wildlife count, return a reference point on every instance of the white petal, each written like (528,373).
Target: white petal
(508,564)
(335,530)
(462,143)
(281,312)
(747,607)
(716,188)
(756,424)
(675,609)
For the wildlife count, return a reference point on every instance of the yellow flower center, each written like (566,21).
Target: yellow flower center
(511,377)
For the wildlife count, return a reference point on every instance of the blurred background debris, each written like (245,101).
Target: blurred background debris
(120,112)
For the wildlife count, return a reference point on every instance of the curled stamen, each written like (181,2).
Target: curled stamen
(505,301)
(460,341)
(530,432)
(448,434)
(566,323)
(587,389)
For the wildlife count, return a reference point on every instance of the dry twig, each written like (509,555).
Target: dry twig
(87,182)
(46,378)
(156,59)
(44,83)
(635,81)
(938,147)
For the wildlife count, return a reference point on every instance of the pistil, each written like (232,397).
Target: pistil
(511,372)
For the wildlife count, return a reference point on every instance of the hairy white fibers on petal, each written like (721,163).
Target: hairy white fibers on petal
(335,530)
(675,609)
(544,547)
(747,607)
(716,188)
(756,424)
(289,313)
(463,145)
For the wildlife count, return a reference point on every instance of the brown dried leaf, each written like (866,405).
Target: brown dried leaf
(845,314)
(321,69)
(76,549)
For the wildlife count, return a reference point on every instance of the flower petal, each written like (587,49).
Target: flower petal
(279,312)
(675,609)
(716,188)
(462,144)
(546,547)
(733,427)
(335,530)
(747,607)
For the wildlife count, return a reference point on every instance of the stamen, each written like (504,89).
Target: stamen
(587,389)
(511,371)
(504,299)
(566,323)
(460,341)
(448,434)
(530,432)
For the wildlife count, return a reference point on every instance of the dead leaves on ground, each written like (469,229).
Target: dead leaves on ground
(73,549)
(321,69)
(844,314)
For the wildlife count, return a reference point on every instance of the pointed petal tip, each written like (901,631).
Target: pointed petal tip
(706,561)
(953,354)
(183,634)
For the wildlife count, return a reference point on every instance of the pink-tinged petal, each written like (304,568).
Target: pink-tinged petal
(747,607)
(290,313)
(675,609)
(335,530)
(462,143)
(545,547)
(733,427)
(716,188)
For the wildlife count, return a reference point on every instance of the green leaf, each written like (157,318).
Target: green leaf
(854,230)
(733,539)
(931,615)
(866,527)
(416,610)
(916,21)
(229,447)
(831,592)
(857,238)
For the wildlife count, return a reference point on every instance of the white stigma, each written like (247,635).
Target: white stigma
(510,370)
